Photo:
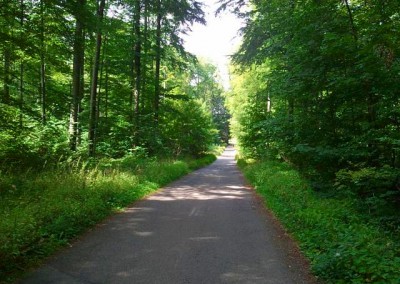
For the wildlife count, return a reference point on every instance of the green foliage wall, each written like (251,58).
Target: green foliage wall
(319,84)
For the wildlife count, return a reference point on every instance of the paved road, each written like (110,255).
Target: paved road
(207,227)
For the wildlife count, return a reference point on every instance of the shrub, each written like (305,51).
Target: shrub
(343,245)
(368,181)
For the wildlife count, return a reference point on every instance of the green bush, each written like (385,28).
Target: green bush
(376,189)
(189,129)
(201,162)
(343,245)
(368,181)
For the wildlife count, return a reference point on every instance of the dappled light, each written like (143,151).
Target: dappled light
(246,274)
(197,196)
(228,154)
(144,234)
(203,228)
(204,239)
(187,193)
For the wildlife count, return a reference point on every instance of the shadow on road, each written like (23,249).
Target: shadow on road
(204,228)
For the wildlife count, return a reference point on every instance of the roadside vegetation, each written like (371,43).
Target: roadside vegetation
(344,243)
(42,212)
(315,86)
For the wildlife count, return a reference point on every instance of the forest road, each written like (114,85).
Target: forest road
(208,227)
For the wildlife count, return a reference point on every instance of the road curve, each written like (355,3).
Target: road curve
(207,227)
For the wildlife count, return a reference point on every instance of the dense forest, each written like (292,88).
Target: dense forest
(316,86)
(320,84)
(103,78)
(100,104)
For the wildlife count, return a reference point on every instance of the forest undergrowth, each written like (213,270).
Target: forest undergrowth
(344,243)
(44,211)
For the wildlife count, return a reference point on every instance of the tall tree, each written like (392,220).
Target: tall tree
(137,59)
(21,66)
(95,76)
(42,62)
(77,73)
(7,51)
(157,87)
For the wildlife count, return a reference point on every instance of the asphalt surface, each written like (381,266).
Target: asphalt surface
(207,227)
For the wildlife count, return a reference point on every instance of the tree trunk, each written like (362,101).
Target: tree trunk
(42,65)
(77,71)
(350,14)
(82,94)
(21,92)
(106,92)
(137,66)
(21,69)
(7,76)
(144,56)
(291,110)
(131,84)
(157,89)
(102,65)
(95,76)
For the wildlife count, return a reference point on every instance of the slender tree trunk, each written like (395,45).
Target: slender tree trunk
(157,89)
(77,71)
(21,69)
(291,99)
(351,19)
(137,66)
(132,78)
(144,56)
(21,92)
(291,110)
(131,84)
(42,65)
(7,53)
(372,99)
(7,75)
(102,64)
(333,120)
(95,77)
(106,93)
(81,95)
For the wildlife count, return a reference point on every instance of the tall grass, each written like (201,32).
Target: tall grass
(343,244)
(41,212)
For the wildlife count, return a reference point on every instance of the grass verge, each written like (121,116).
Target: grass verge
(42,212)
(343,245)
